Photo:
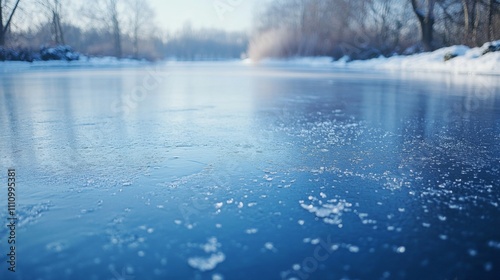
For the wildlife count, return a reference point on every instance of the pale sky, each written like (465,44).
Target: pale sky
(222,14)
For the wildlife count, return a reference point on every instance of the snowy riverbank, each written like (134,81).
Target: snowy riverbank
(467,61)
(15,66)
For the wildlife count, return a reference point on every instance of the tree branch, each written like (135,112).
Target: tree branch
(10,17)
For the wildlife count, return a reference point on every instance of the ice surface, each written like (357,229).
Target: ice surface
(228,167)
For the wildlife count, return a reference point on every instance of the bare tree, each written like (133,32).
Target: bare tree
(490,19)
(386,19)
(106,13)
(425,15)
(140,14)
(471,11)
(115,23)
(54,12)
(493,10)
(9,14)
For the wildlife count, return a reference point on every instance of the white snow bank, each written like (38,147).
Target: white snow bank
(468,61)
(8,66)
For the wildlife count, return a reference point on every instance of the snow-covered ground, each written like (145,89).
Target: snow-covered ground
(468,61)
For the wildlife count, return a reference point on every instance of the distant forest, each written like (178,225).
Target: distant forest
(284,28)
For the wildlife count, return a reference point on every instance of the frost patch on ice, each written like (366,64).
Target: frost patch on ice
(269,246)
(400,249)
(331,211)
(206,264)
(494,244)
(211,246)
(30,213)
(217,277)
(251,231)
(212,260)
(219,205)
(353,249)
(393,183)
(56,247)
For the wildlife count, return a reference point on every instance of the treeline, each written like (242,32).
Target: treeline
(91,42)
(95,27)
(120,28)
(205,44)
(185,44)
(370,28)
(355,29)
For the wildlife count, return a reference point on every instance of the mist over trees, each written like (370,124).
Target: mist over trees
(370,28)
(205,44)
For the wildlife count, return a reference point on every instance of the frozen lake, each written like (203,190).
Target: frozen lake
(231,171)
